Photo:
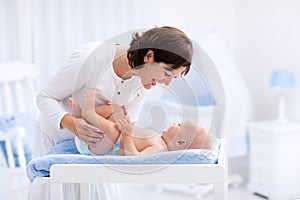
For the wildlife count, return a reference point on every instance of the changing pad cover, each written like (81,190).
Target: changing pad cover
(66,153)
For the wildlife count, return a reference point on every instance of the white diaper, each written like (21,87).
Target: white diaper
(83,148)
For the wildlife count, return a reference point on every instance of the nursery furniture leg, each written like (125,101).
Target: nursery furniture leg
(56,192)
(220,191)
(84,191)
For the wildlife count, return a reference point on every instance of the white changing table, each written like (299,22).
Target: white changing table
(85,174)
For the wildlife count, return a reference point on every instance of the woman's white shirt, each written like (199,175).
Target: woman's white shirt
(89,70)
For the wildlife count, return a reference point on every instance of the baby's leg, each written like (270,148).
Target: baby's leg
(88,108)
(111,131)
(76,110)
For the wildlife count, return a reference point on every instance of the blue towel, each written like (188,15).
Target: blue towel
(66,153)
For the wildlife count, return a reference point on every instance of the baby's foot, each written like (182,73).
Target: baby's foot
(88,105)
(76,110)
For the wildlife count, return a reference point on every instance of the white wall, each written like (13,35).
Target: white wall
(268,38)
(200,17)
(263,35)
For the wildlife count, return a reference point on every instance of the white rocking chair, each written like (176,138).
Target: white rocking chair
(16,80)
(12,170)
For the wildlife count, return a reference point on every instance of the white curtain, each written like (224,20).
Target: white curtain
(59,27)
(17,74)
(15,31)
(45,32)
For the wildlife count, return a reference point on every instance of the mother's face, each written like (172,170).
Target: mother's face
(157,72)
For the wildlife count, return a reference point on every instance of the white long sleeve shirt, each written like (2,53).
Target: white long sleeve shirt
(89,70)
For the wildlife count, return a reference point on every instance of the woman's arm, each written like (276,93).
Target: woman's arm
(89,133)
(68,80)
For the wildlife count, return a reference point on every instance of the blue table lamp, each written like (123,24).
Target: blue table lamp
(282,81)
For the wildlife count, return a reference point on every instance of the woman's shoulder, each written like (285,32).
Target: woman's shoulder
(91,45)
(84,52)
(101,50)
(94,54)
(87,48)
(104,51)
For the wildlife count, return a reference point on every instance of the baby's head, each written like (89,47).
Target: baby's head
(187,135)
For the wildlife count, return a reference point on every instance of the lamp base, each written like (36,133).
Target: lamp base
(281,110)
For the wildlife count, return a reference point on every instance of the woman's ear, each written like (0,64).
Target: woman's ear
(149,57)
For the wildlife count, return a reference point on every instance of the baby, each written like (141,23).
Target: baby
(134,141)
(186,135)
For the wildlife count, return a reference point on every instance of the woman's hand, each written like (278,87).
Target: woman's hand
(88,133)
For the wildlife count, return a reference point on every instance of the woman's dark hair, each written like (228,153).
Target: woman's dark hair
(170,45)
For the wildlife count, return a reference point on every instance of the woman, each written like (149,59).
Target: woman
(110,71)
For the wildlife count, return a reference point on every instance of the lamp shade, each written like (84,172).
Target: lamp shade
(282,79)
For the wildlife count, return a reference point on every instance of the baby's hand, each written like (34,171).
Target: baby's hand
(125,125)
(118,112)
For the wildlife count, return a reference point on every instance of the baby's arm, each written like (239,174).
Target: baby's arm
(128,141)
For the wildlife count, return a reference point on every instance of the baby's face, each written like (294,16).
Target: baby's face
(186,130)
(169,134)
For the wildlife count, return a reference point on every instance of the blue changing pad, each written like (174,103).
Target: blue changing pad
(66,153)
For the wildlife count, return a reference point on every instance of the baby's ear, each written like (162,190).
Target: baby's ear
(181,143)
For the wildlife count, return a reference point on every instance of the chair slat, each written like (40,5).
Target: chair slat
(10,156)
(8,100)
(20,97)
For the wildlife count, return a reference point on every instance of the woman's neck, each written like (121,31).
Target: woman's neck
(120,63)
